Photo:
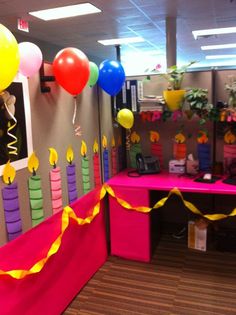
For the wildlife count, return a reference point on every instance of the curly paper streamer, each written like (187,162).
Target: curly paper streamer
(128,140)
(12,149)
(78,131)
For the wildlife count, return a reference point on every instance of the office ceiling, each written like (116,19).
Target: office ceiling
(129,18)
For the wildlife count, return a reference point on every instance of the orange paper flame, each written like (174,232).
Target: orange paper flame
(69,154)
(9,173)
(53,157)
(33,163)
(202,137)
(95,146)
(104,142)
(229,137)
(154,136)
(83,148)
(135,137)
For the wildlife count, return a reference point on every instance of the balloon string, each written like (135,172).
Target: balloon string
(128,139)
(12,149)
(75,110)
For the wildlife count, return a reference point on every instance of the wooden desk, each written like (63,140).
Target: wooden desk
(130,230)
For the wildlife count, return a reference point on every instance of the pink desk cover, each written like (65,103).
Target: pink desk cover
(83,251)
(165,182)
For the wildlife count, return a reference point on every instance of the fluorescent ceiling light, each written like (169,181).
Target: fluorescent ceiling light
(224,46)
(65,12)
(214,31)
(221,57)
(119,41)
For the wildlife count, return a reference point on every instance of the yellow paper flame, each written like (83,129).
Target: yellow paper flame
(95,146)
(134,137)
(180,138)
(202,137)
(83,148)
(9,173)
(33,163)
(69,154)
(154,136)
(113,142)
(104,141)
(53,157)
(229,137)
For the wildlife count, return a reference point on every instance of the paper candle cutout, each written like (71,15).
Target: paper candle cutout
(114,164)
(156,148)
(180,149)
(229,150)
(96,165)
(120,154)
(204,151)
(55,182)
(85,168)
(71,176)
(105,159)
(35,191)
(134,149)
(11,203)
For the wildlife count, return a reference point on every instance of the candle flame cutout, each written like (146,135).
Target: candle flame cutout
(180,138)
(229,137)
(113,142)
(9,173)
(69,154)
(53,157)
(154,136)
(95,146)
(135,138)
(33,163)
(202,137)
(83,149)
(104,142)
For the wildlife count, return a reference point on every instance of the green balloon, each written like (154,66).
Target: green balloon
(94,72)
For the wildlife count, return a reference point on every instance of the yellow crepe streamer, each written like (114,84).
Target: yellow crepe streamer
(68,214)
(12,149)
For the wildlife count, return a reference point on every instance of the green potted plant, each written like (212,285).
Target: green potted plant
(197,99)
(174,94)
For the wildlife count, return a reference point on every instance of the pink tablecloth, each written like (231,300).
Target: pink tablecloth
(83,251)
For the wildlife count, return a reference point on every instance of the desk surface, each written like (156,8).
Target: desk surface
(165,181)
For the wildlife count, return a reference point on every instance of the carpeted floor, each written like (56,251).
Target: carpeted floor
(177,281)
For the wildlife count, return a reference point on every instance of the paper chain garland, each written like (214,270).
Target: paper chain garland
(68,214)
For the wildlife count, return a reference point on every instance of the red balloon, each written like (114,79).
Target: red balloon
(71,70)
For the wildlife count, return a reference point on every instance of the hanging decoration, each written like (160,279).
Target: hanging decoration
(105,159)
(55,182)
(135,148)
(156,148)
(11,203)
(96,165)
(71,176)
(94,73)
(85,168)
(35,191)
(31,59)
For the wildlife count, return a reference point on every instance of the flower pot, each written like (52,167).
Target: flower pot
(173,99)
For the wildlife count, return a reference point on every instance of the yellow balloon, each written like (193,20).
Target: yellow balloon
(9,57)
(125,118)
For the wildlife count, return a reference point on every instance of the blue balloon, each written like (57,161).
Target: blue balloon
(111,76)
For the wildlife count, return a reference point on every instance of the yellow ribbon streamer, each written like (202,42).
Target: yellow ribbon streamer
(68,214)
(12,149)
